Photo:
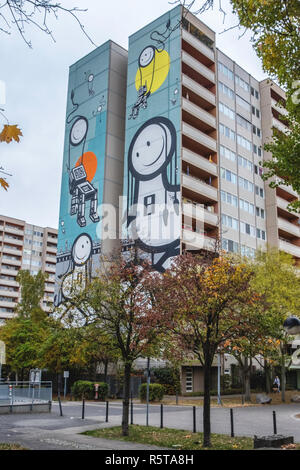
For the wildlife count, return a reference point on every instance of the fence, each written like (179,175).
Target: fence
(21,393)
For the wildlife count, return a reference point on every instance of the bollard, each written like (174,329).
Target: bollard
(194,419)
(231,422)
(161,415)
(106,417)
(176,398)
(131,410)
(60,407)
(274,422)
(83,406)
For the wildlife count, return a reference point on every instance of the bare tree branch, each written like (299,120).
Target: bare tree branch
(21,14)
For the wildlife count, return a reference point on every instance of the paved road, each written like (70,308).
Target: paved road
(51,431)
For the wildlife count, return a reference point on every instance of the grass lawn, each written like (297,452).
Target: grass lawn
(231,401)
(4,446)
(172,438)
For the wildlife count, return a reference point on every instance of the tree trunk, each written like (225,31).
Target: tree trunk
(247,384)
(268,377)
(125,417)
(283,377)
(206,403)
(105,370)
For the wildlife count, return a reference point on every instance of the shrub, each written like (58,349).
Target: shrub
(156,392)
(86,389)
(169,377)
(83,389)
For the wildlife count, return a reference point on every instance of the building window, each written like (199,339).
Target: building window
(228,175)
(239,81)
(243,122)
(227,132)
(225,71)
(189,379)
(227,153)
(243,103)
(226,90)
(226,110)
(230,245)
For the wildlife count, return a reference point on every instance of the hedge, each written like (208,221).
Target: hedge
(156,392)
(86,389)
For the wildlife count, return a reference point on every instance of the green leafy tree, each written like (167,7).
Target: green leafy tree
(24,334)
(206,302)
(277,279)
(118,302)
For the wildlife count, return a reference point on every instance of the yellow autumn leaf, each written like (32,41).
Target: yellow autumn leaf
(9,133)
(4,183)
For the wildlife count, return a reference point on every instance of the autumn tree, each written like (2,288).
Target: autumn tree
(207,302)
(24,334)
(118,302)
(277,279)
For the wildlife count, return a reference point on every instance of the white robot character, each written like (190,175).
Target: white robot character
(80,188)
(76,278)
(153,215)
(81,191)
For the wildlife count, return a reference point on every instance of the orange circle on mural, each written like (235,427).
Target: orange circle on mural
(89,161)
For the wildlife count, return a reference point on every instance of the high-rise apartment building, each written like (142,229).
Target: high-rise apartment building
(24,246)
(188,124)
(282,225)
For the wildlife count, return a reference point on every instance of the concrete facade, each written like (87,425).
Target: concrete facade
(24,246)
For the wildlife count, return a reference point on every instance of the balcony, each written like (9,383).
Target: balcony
(51,249)
(13,241)
(198,114)
(197,241)
(11,251)
(12,262)
(14,230)
(49,269)
(8,293)
(9,272)
(9,283)
(198,67)
(278,125)
(282,204)
(199,162)
(198,45)
(288,227)
(199,90)
(210,218)
(5,304)
(278,108)
(198,186)
(293,250)
(202,139)
(286,192)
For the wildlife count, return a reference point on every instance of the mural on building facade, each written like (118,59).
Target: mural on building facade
(153,67)
(79,243)
(152,203)
(81,175)
(152,153)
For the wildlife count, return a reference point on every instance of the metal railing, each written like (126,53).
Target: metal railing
(20,393)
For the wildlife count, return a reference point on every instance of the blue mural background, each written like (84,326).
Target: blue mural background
(165,101)
(96,63)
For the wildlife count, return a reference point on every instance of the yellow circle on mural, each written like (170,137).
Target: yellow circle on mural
(155,73)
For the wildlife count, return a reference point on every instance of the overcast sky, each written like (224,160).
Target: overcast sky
(36,92)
